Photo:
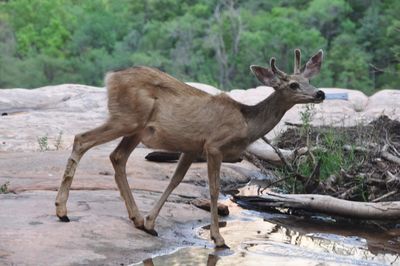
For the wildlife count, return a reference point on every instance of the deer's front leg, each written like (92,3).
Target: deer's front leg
(214,159)
(184,163)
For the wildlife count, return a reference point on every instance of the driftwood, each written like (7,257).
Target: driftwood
(325,204)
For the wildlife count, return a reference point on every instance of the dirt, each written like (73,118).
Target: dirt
(364,173)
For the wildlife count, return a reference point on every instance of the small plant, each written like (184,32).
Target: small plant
(306,116)
(4,188)
(43,143)
(58,143)
(325,147)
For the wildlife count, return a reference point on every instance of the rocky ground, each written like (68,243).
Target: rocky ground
(100,231)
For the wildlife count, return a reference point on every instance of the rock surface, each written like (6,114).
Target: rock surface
(100,231)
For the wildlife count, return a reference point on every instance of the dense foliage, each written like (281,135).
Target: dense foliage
(210,41)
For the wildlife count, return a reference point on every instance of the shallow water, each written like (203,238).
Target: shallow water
(256,241)
(258,238)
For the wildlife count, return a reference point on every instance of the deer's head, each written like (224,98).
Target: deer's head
(295,88)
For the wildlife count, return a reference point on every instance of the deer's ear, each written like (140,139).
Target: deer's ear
(264,75)
(313,66)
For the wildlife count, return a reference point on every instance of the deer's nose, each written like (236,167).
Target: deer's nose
(320,95)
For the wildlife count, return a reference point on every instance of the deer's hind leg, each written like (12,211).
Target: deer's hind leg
(82,143)
(119,158)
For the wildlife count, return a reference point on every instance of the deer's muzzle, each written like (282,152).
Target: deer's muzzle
(320,95)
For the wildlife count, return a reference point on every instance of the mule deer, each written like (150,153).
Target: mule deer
(146,105)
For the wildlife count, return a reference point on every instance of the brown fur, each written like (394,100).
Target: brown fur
(169,114)
(149,106)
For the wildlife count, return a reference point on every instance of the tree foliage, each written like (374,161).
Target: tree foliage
(210,41)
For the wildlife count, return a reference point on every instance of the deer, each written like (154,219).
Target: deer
(149,106)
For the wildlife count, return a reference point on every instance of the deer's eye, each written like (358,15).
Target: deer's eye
(294,85)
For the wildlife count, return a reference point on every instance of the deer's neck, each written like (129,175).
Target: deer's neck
(264,116)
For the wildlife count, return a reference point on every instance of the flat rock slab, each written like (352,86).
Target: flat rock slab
(100,232)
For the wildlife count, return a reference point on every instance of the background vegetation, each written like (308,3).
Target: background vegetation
(69,41)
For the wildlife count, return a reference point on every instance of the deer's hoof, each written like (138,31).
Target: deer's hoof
(149,231)
(223,246)
(64,219)
(219,243)
(138,222)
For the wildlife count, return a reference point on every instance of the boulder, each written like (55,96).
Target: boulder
(204,87)
(385,102)
(57,113)
(251,96)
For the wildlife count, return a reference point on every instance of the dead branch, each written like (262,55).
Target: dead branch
(293,124)
(256,161)
(283,159)
(326,204)
(390,193)
(388,156)
(376,182)
(356,149)
(286,163)
(329,183)
(392,178)
(348,193)
(313,181)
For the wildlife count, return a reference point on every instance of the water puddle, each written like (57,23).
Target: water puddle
(271,239)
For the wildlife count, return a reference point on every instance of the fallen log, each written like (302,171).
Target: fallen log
(324,204)
(171,157)
(264,150)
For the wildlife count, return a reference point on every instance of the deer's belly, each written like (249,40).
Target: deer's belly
(157,138)
(232,152)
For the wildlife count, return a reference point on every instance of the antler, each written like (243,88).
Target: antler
(297,61)
(297,64)
(275,69)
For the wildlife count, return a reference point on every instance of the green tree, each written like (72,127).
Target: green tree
(56,41)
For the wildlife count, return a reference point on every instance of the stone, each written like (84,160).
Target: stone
(205,204)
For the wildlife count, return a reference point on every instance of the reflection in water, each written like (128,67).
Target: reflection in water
(286,241)
(342,238)
(211,261)
(148,262)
